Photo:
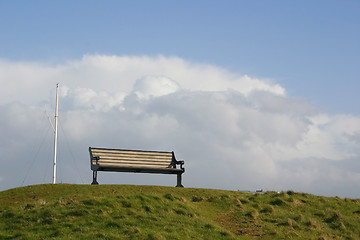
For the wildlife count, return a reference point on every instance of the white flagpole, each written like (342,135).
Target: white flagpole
(55,131)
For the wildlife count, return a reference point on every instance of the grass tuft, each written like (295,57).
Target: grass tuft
(169,196)
(253,214)
(126,204)
(312,224)
(278,202)
(291,223)
(290,193)
(357,212)
(335,217)
(244,201)
(89,202)
(268,209)
(238,203)
(133,230)
(197,198)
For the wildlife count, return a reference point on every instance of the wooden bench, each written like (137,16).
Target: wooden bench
(119,160)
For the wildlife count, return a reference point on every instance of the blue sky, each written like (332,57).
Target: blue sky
(251,94)
(310,47)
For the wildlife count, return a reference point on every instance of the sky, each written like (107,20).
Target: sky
(250,94)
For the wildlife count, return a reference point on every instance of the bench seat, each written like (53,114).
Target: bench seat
(120,160)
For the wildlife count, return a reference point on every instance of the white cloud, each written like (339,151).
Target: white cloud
(151,86)
(232,131)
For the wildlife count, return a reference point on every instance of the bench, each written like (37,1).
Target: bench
(138,161)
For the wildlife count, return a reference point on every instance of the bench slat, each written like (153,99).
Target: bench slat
(134,163)
(129,165)
(133,157)
(142,170)
(100,159)
(96,150)
(121,158)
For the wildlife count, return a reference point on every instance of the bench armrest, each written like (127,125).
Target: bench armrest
(96,158)
(181,163)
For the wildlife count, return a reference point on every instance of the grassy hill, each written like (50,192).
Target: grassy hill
(148,212)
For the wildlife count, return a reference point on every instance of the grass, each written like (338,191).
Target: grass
(64,211)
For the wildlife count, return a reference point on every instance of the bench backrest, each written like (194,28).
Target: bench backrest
(118,158)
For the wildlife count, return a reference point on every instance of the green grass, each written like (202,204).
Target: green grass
(64,211)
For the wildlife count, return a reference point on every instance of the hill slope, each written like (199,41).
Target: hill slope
(150,212)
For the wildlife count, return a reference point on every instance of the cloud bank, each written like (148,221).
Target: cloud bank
(233,131)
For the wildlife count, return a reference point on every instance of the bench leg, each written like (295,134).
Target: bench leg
(179,181)
(94,182)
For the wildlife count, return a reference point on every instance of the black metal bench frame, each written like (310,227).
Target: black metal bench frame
(119,166)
